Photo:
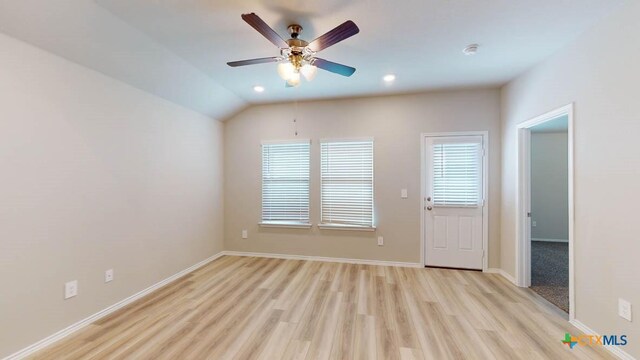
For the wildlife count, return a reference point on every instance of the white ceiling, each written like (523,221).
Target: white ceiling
(178,49)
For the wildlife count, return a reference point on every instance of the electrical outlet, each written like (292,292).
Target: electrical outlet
(245,234)
(534,223)
(624,309)
(70,289)
(108,275)
(380,241)
(403,193)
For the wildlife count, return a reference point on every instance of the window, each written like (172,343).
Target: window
(285,183)
(346,175)
(457,174)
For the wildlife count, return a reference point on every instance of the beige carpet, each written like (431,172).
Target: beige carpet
(550,272)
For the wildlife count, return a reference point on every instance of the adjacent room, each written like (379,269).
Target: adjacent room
(549,179)
(281,179)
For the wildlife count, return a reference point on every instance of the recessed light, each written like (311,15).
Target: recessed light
(389,78)
(471,49)
(258,88)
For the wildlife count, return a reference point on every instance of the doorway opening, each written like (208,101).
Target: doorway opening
(545,195)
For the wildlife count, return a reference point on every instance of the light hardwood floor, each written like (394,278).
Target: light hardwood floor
(258,308)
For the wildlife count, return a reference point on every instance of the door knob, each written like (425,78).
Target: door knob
(429,208)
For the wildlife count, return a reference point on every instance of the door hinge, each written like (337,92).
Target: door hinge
(528,214)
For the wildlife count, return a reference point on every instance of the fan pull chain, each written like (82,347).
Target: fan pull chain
(295,119)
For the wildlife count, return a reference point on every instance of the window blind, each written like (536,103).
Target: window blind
(457,174)
(285,182)
(346,174)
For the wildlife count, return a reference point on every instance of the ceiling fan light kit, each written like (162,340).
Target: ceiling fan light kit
(297,56)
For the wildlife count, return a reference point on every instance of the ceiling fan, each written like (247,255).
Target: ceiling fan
(298,56)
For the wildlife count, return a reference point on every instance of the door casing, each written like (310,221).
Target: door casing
(485,190)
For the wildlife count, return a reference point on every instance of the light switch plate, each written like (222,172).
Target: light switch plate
(108,275)
(380,241)
(624,309)
(534,223)
(403,193)
(245,234)
(70,289)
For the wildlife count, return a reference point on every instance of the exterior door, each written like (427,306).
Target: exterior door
(454,201)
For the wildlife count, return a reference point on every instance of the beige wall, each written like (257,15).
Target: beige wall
(94,175)
(550,186)
(395,123)
(600,73)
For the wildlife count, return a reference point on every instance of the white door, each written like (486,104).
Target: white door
(454,201)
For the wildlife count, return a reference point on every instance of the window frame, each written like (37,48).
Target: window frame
(337,226)
(284,223)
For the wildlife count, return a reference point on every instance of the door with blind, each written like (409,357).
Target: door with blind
(454,201)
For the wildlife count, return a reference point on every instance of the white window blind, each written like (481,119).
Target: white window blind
(346,174)
(285,182)
(457,174)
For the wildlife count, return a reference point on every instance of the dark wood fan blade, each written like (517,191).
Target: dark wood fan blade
(254,61)
(339,33)
(257,23)
(336,68)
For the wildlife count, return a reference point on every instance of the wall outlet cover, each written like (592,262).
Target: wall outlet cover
(380,241)
(624,309)
(245,234)
(108,275)
(70,289)
(404,194)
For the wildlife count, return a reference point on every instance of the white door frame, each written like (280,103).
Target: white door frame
(485,190)
(523,200)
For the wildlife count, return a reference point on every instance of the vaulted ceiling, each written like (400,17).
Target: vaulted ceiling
(178,49)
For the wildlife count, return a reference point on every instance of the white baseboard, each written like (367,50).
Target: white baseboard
(615,350)
(325,259)
(31,349)
(551,240)
(504,274)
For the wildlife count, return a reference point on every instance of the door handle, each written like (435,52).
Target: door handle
(429,208)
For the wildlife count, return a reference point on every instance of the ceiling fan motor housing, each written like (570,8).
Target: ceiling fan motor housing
(294,30)
(296,45)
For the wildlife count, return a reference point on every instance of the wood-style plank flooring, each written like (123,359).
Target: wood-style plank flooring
(258,308)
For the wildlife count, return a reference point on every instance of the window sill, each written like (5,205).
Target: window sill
(346,227)
(285,225)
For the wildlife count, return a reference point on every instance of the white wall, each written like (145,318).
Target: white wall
(600,73)
(550,186)
(395,123)
(94,174)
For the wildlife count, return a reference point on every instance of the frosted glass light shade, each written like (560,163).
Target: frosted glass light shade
(286,70)
(294,80)
(309,72)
